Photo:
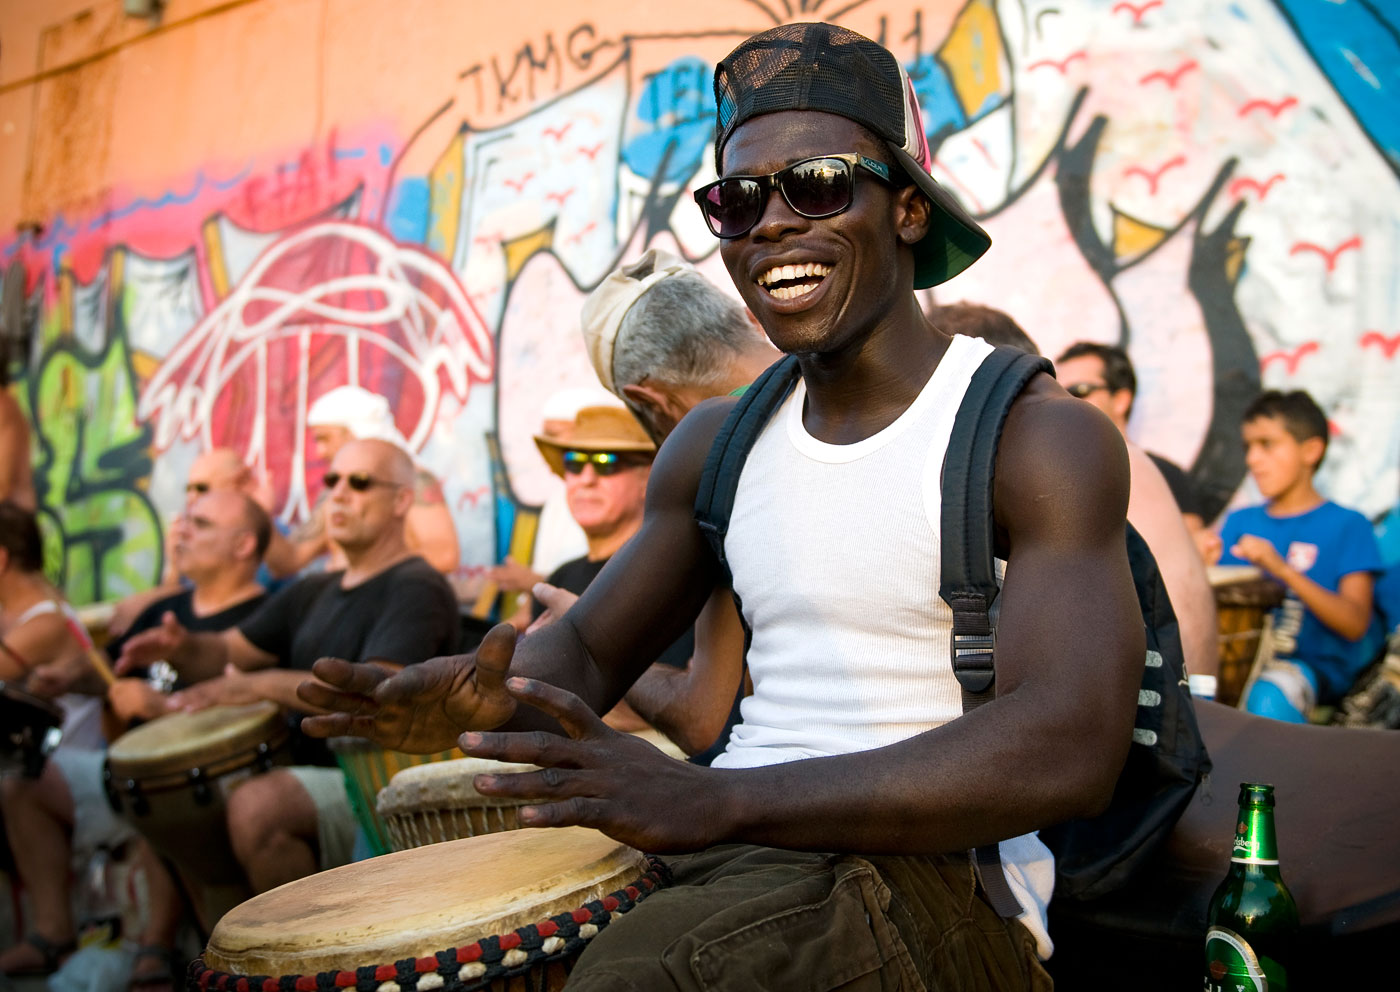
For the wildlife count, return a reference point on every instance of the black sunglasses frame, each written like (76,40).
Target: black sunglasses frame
(359,482)
(774,180)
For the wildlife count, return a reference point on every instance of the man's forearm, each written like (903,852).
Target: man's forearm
(1335,611)
(666,698)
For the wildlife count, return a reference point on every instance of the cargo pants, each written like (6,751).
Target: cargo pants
(741,917)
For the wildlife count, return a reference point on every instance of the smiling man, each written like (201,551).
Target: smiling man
(387,606)
(827,846)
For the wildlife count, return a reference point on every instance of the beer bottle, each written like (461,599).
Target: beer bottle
(1252,915)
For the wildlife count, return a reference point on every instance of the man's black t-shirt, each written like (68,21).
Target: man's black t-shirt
(576,575)
(1188,500)
(182,605)
(405,614)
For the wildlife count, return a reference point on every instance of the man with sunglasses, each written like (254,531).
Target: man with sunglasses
(853,741)
(388,607)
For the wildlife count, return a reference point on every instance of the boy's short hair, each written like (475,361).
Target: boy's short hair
(1296,411)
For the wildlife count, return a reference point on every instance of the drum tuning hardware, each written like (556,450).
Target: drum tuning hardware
(203,795)
(263,758)
(139,806)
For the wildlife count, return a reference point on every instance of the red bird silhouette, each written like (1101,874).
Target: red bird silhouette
(473,496)
(1290,359)
(592,153)
(1153,177)
(582,232)
(1329,256)
(1137,10)
(1261,190)
(559,198)
(1170,78)
(519,184)
(1062,65)
(557,133)
(1273,108)
(1389,345)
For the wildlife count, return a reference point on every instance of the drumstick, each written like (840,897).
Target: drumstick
(94,657)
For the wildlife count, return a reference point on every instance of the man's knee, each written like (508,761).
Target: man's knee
(267,807)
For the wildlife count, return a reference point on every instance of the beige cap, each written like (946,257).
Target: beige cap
(608,304)
(595,428)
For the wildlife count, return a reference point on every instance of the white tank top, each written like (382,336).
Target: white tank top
(82,715)
(835,555)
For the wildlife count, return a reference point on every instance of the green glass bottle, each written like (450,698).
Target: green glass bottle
(1252,915)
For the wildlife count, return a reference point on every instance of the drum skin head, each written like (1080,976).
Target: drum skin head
(446,785)
(180,741)
(416,903)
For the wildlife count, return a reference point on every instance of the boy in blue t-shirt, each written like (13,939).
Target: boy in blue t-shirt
(1325,556)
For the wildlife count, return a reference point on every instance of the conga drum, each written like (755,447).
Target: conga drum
(171,779)
(368,768)
(1244,596)
(30,728)
(430,804)
(506,911)
(95,618)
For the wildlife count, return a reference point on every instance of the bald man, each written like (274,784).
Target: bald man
(387,606)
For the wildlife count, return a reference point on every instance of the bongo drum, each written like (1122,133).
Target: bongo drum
(30,728)
(171,779)
(429,804)
(1243,598)
(504,911)
(368,768)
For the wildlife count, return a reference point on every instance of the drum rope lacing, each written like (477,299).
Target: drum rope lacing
(459,969)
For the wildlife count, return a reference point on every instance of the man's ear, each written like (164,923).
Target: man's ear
(246,546)
(665,408)
(913,214)
(404,500)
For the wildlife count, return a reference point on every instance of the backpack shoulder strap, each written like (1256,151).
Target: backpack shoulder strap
(714,501)
(968,582)
(968,573)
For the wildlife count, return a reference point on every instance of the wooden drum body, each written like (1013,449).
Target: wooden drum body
(171,779)
(30,728)
(1244,597)
(504,911)
(368,768)
(429,804)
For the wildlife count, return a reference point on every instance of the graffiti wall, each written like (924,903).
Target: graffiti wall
(1213,184)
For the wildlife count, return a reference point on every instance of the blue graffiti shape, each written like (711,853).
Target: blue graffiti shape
(943,112)
(408,213)
(676,110)
(1357,44)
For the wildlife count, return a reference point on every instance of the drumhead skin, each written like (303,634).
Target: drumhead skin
(1224,575)
(180,741)
(413,904)
(446,785)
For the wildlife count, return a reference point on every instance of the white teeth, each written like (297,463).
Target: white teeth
(780,273)
(793,292)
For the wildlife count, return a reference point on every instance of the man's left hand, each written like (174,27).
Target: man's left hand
(598,777)
(233,688)
(1257,551)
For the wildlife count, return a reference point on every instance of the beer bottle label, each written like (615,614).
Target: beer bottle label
(1253,844)
(1231,964)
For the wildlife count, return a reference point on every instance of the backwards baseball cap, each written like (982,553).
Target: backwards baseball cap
(608,304)
(832,69)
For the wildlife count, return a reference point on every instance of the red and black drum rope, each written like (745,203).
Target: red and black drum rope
(443,970)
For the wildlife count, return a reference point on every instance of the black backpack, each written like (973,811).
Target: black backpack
(1167,758)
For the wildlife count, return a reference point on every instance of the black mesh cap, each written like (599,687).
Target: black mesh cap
(828,68)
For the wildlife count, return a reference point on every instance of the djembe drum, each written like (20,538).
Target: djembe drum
(30,728)
(1243,598)
(505,912)
(429,804)
(368,768)
(171,779)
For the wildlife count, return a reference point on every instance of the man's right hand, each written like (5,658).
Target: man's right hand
(137,699)
(161,643)
(421,708)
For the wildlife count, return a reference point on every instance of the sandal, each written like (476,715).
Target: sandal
(51,953)
(164,976)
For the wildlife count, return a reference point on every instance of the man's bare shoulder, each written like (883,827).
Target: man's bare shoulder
(681,460)
(1061,462)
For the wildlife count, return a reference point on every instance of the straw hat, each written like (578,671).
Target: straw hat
(595,428)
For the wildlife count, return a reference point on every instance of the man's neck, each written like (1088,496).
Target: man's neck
(220,592)
(363,564)
(857,392)
(603,546)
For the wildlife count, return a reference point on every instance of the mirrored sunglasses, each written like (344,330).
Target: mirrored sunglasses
(1084,389)
(815,188)
(197,487)
(604,463)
